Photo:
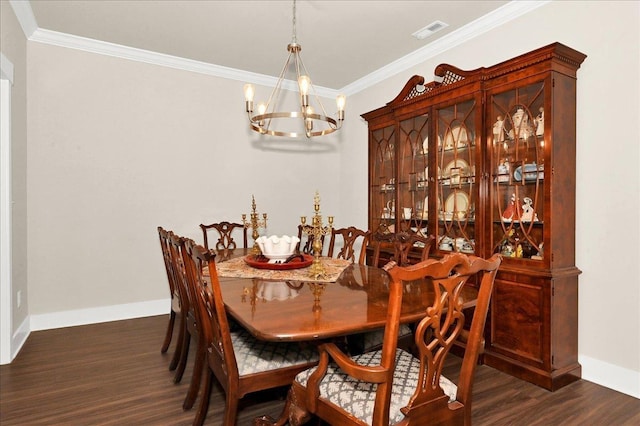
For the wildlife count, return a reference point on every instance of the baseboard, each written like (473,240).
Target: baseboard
(18,339)
(610,376)
(100,314)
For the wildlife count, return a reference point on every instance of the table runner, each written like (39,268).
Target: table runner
(238,268)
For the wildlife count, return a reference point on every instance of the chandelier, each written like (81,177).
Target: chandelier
(312,117)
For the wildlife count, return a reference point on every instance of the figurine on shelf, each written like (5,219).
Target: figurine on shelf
(498,130)
(520,121)
(513,212)
(528,213)
(540,254)
(539,122)
(527,249)
(503,171)
(516,242)
(506,247)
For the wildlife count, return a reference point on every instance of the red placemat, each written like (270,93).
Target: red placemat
(262,262)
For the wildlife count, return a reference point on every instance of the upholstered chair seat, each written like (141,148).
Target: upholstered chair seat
(257,356)
(358,397)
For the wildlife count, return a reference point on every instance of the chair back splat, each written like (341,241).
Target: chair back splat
(391,386)
(225,231)
(305,245)
(350,236)
(401,243)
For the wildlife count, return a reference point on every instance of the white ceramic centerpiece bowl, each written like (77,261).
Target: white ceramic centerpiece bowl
(277,249)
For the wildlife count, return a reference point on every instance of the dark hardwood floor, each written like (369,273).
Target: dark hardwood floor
(113,374)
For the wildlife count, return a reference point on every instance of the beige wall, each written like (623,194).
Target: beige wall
(118,147)
(13,45)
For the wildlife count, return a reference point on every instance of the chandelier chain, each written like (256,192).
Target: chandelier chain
(294,38)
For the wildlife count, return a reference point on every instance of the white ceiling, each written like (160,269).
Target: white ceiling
(342,41)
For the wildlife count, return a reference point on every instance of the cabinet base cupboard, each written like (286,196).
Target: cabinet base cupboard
(484,160)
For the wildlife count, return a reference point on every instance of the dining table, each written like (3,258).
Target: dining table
(290,305)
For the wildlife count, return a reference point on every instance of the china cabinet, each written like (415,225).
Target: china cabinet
(484,161)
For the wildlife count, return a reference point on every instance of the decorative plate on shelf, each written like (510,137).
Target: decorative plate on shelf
(457,135)
(459,163)
(531,172)
(261,262)
(457,201)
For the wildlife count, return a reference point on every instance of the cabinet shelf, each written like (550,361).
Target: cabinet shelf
(387,190)
(447,182)
(468,222)
(460,148)
(537,223)
(512,182)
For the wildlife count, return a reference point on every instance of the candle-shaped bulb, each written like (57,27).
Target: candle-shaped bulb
(248,92)
(248,96)
(341,101)
(304,82)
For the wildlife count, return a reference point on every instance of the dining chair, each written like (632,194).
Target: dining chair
(177,302)
(225,233)
(401,243)
(240,363)
(305,245)
(350,236)
(190,326)
(391,386)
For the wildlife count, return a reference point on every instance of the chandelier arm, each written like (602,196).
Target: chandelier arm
(313,89)
(276,89)
(275,93)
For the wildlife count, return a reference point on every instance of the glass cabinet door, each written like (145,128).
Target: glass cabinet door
(382,179)
(455,171)
(413,173)
(517,172)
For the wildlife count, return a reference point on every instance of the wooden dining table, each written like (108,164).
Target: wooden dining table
(308,310)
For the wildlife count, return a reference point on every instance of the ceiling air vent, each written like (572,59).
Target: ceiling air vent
(433,27)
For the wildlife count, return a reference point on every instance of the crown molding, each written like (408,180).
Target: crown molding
(140,55)
(25,16)
(498,17)
(492,20)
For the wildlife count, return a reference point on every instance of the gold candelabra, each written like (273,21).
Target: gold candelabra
(316,231)
(254,223)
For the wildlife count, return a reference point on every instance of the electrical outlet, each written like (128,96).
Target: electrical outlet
(19,298)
